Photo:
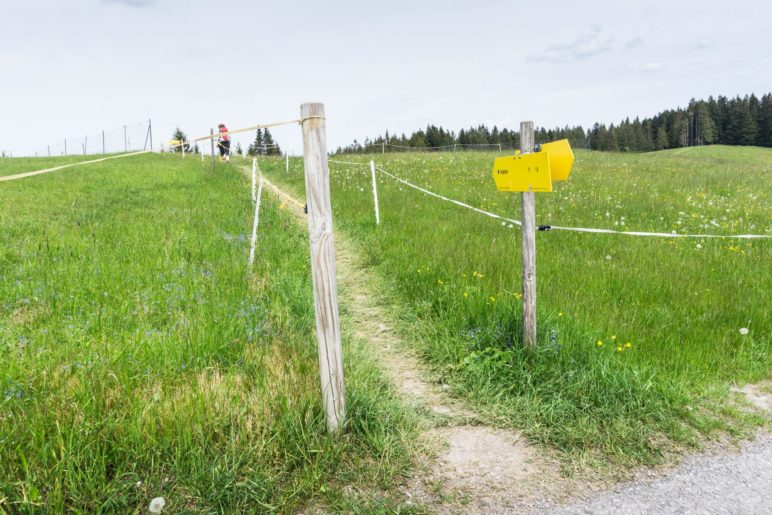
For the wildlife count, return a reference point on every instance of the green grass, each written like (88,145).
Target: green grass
(679,303)
(141,358)
(17,165)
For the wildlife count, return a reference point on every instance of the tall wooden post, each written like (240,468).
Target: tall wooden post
(65,146)
(150,132)
(254,179)
(211,140)
(323,263)
(375,194)
(103,141)
(529,246)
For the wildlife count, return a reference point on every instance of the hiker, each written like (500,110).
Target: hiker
(224,142)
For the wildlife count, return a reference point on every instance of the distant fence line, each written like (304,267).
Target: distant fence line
(127,138)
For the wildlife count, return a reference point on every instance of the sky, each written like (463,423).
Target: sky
(75,67)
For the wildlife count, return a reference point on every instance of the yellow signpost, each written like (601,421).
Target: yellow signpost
(529,172)
(535,171)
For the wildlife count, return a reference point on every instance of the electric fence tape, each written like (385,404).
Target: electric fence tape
(572,229)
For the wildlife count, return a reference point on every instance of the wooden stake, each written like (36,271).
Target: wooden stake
(286,163)
(529,246)
(211,140)
(323,263)
(254,178)
(253,241)
(375,194)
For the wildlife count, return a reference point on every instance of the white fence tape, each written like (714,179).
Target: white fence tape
(575,229)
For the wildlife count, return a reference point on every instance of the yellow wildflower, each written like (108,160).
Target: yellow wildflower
(628,345)
(619,348)
(600,343)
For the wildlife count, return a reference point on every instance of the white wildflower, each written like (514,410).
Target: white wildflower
(608,258)
(157,505)
(698,246)
(744,331)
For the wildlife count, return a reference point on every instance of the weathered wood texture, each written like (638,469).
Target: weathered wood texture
(323,263)
(254,178)
(529,246)
(253,240)
(375,194)
(211,140)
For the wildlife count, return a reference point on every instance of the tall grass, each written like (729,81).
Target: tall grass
(639,337)
(141,358)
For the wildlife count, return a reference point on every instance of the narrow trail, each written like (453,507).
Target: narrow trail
(477,468)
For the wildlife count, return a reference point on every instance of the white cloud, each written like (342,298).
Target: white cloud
(583,47)
(635,42)
(132,3)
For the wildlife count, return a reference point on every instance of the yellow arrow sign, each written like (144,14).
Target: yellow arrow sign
(535,171)
(561,158)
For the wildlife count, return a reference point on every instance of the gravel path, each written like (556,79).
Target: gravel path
(730,483)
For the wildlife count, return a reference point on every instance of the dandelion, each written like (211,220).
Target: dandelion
(492,299)
(466,294)
(560,314)
(157,505)
(619,348)
(614,337)
(600,343)
(744,331)
(628,345)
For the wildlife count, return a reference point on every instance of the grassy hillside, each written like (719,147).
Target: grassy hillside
(640,338)
(140,357)
(28,164)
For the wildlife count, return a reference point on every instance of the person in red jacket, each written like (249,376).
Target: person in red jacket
(224,143)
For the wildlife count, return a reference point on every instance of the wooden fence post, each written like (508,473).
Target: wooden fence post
(529,246)
(286,163)
(323,263)
(254,178)
(375,194)
(253,240)
(211,140)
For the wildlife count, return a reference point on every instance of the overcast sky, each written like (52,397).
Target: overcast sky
(74,67)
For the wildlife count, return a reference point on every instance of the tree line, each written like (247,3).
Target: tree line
(721,120)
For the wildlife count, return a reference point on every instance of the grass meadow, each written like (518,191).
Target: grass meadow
(141,357)
(639,338)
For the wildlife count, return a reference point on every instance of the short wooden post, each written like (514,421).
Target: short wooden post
(211,140)
(286,163)
(182,146)
(323,263)
(254,178)
(375,194)
(48,147)
(529,246)
(383,148)
(253,241)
